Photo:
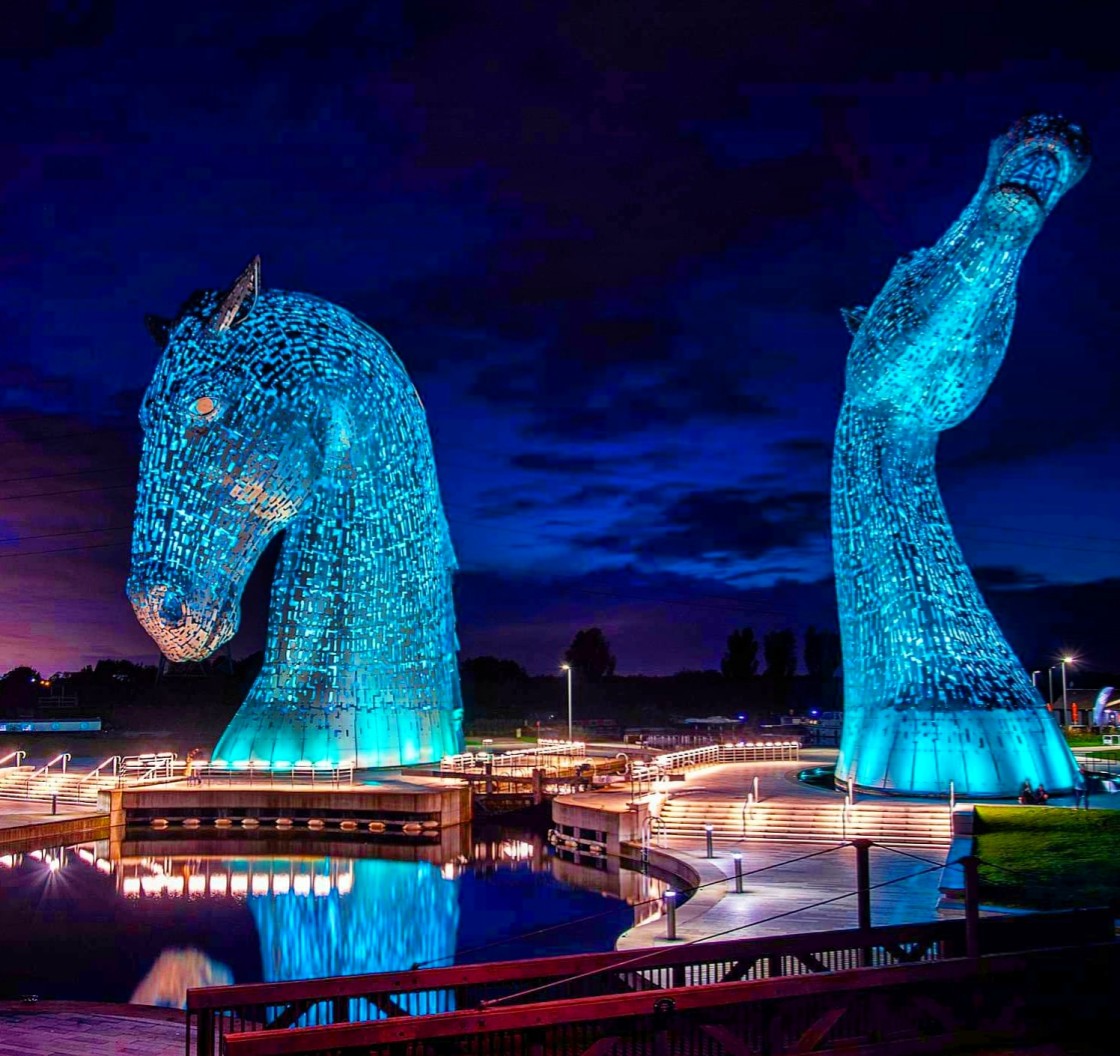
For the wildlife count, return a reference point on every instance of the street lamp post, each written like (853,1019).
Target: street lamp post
(1065,709)
(1050,680)
(568,668)
(1034,678)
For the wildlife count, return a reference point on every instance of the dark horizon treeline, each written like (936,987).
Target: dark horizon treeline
(754,677)
(759,690)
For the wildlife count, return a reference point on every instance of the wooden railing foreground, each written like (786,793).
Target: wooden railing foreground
(907,1008)
(213,1013)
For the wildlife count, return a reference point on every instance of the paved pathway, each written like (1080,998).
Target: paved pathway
(803,887)
(15,813)
(78,1028)
(787,896)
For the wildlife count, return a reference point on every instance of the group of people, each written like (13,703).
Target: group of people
(1037,796)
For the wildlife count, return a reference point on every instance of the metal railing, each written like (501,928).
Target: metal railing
(62,757)
(519,758)
(742,752)
(224,1017)
(291,773)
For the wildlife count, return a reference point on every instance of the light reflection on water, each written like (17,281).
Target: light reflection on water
(146,926)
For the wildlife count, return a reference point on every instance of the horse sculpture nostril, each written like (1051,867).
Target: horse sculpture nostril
(172,609)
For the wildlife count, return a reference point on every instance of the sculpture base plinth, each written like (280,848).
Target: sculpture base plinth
(380,737)
(972,754)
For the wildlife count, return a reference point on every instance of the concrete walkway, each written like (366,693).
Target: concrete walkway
(79,1028)
(29,825)
(807,887)
(788,888)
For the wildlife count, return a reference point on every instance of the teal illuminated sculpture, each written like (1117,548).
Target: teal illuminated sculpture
(933,695)
(272,412)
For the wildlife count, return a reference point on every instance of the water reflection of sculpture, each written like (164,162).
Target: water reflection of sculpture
(396,914)
(933,693)
(273,411)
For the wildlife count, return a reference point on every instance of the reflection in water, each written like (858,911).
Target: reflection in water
(174,973)
(151,917)
(394,915)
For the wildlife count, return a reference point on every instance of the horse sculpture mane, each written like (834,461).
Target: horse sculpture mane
(934,697)
(270,412)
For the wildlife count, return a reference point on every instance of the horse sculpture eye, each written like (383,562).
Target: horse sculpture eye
(204,406)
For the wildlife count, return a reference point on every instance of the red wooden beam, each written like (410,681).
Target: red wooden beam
(963,970)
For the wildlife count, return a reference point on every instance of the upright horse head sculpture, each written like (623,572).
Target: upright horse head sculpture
(934,698)
(271,412)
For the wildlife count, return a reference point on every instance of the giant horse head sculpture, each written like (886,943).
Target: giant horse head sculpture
(935,701)
(274,411)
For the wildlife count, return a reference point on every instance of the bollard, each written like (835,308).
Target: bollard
(708,841)
(670,901)
(738,874)
(54,803)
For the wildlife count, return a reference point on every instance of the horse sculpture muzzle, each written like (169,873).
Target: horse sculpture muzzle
(185,623)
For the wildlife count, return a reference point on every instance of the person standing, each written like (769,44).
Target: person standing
(1081,790)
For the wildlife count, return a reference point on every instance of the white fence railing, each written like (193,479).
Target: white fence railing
(743,752)
(552,754)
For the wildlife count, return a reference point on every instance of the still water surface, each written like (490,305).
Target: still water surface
(83,925)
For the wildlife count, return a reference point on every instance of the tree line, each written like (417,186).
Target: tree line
(592,660)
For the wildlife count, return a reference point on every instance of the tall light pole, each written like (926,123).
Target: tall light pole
(568,668)
(1034,678)
(1050,679)
(1065,712)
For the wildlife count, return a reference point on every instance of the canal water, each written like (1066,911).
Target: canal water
(82,924)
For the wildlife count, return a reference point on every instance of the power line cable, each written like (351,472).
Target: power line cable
(70,473)
(65,549)
(73,531)
(71,491)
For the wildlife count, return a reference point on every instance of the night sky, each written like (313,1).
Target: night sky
(610,241)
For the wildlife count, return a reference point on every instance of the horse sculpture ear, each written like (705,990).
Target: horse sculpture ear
(159,328)
(246,287)
(853,318)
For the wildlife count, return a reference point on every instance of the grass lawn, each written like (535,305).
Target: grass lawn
(1077,739)
(1049,857)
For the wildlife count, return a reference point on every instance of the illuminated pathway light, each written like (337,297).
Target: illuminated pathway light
(276,411)
(932,692)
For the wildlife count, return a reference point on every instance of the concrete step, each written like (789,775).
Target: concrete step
(907,824)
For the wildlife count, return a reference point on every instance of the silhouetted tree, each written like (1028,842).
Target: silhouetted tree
(19,689)
(823,657)
(822,653)
(740,662)
(780,650)
(590,655)
(493,669)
